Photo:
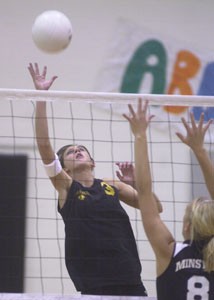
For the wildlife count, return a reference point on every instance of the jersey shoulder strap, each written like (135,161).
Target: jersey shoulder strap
(179,247)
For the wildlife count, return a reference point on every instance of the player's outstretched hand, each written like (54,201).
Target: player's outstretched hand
(139,120)
(126,173)
(39,79)
(194,133)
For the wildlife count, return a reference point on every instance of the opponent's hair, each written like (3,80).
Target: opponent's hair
(62,150)
(202,228)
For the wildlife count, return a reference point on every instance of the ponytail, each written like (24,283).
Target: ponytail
(202,229)
(208,255)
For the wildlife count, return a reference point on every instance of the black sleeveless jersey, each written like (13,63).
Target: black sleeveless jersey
(185,278)
(100,247)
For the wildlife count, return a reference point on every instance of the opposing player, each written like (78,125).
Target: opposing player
(100,249)
(185,271)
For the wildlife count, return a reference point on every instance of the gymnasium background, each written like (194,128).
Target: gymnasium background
(85,66)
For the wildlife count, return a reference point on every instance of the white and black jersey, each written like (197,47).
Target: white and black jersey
(185,278)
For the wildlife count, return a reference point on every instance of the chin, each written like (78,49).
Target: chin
(81,163)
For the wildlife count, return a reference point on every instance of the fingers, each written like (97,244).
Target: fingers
(185,124)
(132,112)
(52,79)
(126,171)
(144,110)
(194,127)
(195,133)
(127,117)
(200,124)
(201,121)
(36,69)
(145,106)
(139,106)
(208,125)
(180,136)
(119,175)
(124,165)
(140,110)
(44,71)
(118,164)
(31,70)
(150,117)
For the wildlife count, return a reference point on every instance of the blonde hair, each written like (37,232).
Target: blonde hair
(202,228)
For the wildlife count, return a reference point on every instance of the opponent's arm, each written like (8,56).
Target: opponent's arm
(195,140)
(158,234)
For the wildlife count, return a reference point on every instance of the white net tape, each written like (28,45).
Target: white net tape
(33,95)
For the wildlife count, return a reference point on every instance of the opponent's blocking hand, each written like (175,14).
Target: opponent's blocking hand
(195,133)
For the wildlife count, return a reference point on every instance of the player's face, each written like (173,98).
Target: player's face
(76,155)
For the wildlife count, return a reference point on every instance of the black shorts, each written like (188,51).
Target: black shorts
(117,290)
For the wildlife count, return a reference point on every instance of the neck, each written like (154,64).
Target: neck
(85,177)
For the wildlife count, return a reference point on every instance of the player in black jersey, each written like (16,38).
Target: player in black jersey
(184,271)
(100,249)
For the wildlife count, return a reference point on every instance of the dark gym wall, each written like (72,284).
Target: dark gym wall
(13,172)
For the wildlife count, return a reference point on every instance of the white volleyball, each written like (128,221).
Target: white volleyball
(52,31)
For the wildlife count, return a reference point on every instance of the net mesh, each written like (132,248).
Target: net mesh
(95,120)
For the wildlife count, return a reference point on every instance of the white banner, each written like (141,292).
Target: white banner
(140,61)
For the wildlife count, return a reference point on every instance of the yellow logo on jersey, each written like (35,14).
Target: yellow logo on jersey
(81,194)
(108,189)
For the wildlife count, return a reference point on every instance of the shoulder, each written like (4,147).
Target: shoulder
(120,186)
(109,180)
(115,183)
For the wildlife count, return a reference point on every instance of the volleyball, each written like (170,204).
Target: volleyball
(52,31)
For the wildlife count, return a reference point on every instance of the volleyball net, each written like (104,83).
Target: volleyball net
(94,120)
(73,297)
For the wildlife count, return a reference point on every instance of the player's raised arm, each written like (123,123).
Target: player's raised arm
(159,236)
(49,158)
(41,124)
(195,140)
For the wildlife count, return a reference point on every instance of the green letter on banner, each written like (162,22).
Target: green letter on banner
(141,63)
